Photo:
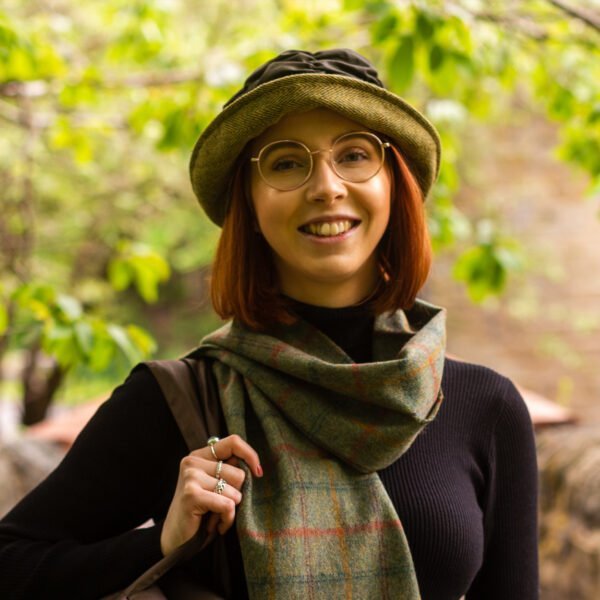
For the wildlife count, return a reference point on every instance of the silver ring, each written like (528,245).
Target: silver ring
(219,467)
(221,483)
(211,444)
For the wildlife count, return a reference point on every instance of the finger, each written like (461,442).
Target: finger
(220,504)
(213,521)
(222,522)
(222,511)
(199,479)
(233,446)
(200,497)
(232,474)
(227,489)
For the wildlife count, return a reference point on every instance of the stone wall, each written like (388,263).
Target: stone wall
(569,459)
(24,462)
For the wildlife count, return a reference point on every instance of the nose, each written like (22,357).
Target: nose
(324,185)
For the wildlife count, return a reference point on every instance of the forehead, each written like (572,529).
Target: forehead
(316,127)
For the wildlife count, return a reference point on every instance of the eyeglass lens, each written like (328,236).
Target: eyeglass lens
(286,165)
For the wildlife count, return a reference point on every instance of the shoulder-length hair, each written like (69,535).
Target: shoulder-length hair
(244,283)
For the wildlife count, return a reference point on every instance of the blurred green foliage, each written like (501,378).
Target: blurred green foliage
(73,337)
(100,105)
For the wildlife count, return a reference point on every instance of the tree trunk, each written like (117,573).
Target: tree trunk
(39,386)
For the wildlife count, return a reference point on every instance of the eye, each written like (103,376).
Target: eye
(350,155)
(286,164)
(284,157)
(356,151)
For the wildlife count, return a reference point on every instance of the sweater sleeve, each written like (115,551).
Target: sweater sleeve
(510,566)
(75,536)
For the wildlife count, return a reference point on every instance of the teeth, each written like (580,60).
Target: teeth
(329,229)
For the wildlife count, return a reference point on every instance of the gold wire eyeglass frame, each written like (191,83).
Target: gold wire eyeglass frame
(311,153)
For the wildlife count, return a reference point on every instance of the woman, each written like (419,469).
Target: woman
(387,470)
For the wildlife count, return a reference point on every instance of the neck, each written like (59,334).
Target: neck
(326,296)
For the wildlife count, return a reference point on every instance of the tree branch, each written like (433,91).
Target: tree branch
(40,121)
(590,19)
(515,23)
(13,115)
(39,88)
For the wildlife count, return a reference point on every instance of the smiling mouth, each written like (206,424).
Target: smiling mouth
(329,228)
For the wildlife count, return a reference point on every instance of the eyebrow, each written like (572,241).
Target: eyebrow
(291,139)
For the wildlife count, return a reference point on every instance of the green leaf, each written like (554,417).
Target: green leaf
(119,274)
(402,65)
(3,319)
(102,353)
(9,39)
(481,270)
(59,341)
(436,57)
(353,4)
(142,340)
(123,342)
(141,266)
(594,115)
(385,27)
(425,27)
(84,335)
(69,307)
(447,225)
(146,282)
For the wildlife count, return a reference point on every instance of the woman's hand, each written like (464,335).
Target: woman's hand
(196,492)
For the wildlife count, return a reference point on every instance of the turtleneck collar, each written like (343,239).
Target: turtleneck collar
(350,327)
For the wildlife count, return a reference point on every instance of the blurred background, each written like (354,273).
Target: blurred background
(105,255)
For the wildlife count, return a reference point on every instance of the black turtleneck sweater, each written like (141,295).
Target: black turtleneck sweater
(465,491)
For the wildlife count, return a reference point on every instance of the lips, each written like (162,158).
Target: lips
(329,228)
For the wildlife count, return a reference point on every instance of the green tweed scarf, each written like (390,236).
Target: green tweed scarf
(320,524)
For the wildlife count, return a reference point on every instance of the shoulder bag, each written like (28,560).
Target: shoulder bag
(190,392)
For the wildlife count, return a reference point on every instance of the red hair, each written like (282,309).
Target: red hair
(244,282)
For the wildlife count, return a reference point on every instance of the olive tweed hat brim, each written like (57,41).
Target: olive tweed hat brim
(250,114)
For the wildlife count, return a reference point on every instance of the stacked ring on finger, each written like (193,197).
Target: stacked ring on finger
(220,485)
(218,472)
(211,444)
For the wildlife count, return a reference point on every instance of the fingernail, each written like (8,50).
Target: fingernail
(259,471)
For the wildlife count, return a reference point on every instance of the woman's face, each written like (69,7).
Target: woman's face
(315,264)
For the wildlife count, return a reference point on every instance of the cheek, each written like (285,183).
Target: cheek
(271,219)
(259,197)
(381,202)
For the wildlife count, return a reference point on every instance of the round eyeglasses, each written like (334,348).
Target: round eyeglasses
(287,164)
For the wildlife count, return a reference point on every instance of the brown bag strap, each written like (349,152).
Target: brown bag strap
(186,551)
(192,396)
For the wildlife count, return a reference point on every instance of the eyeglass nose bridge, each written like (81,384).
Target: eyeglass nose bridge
(328,159)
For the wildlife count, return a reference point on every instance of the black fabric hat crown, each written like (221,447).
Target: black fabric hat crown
(340,61)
